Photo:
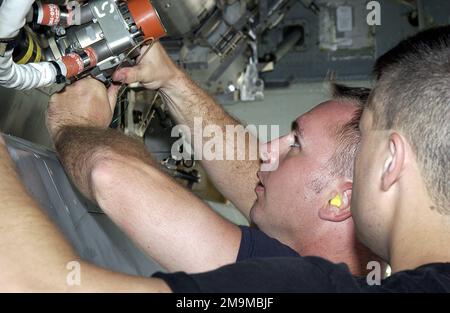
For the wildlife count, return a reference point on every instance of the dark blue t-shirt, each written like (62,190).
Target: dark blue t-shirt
(304,274)
(266,265)
(256,244)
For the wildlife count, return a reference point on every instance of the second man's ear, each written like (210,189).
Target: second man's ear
(394,162)
(337,209)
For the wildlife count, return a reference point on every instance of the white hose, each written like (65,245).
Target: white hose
(34,75)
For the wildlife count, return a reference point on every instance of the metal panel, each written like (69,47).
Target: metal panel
(92,234)
(22,114)
(310,63)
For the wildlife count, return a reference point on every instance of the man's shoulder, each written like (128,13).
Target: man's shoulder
(257,244)
(434,277)
(262,275)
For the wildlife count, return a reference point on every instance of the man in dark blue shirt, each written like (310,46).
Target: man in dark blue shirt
(300,175)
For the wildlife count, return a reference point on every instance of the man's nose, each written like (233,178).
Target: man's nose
(274,150)
(270,154)
(269,151)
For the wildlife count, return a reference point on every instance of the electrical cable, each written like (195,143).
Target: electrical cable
(124,86)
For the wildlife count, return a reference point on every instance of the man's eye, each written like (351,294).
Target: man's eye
(296,143)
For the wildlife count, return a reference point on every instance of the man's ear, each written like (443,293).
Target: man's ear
(337,209)
(395,161)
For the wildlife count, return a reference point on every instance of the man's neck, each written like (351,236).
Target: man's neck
(420,235)
(338,244)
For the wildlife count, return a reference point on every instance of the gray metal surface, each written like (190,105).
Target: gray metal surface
(181,17)
(113,26)
(308,62)
(92,234)
(22,114)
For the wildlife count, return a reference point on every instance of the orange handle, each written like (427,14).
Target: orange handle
(146,17)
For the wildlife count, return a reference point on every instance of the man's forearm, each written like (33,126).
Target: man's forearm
(80,149)
(34,256)
(235,178)
(167,221)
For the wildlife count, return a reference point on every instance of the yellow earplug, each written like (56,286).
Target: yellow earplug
(336,201)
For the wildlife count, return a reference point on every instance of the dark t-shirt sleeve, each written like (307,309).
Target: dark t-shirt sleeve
(301,274)
(256,244)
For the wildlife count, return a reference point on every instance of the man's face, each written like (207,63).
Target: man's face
(289,197)
(371,219)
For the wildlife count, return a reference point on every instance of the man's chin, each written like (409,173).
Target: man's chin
(253,208)
(255,212)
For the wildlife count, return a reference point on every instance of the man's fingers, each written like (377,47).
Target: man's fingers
(144,51)
(130,75)
(112,96)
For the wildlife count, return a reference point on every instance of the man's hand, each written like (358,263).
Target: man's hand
(156,70)
(86,103)
(186,102)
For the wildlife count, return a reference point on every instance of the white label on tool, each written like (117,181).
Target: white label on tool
(103,11)
(344,16)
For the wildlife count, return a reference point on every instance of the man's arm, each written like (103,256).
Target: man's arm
(235,179)
(167,221)
(34,255)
